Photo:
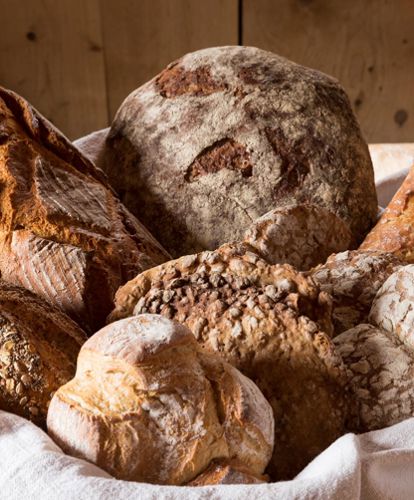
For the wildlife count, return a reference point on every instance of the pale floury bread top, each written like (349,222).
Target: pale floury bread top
(147,404)
(224,135)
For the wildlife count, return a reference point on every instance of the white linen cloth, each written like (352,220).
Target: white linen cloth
(374,466)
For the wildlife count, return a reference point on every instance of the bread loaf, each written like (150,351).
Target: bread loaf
(394,231)
(300,235)
(353,279)
(224,135)
(225,472)
(269,322)
(392,309)
(381,373)
(38,349)
(63,233)
(148,405)
(93,146)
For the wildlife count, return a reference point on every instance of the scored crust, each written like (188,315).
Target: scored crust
(162,411)
(63,232)
(38,350)
(353,278)
(268,321)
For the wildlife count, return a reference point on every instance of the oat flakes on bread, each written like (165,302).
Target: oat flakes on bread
(353,278)
(301,235)
(63,232)
(147,404)
(224,135)
(381,374)
(38,350)
(272,323)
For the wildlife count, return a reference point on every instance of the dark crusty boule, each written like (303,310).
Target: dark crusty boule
(224,135)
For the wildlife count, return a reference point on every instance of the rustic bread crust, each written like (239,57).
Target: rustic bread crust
(392,308)
(353,278)
(148,405)
(225,472)
(38,350)
(224,135)
(394,231)
(63,233)
(268,321)
(300,235)
(381,374)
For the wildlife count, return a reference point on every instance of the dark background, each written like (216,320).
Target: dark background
(76,60)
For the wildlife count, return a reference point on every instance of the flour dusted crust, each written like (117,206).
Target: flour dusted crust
(93,146)
(38,350)
(394,231)
(269,322)
(225,472)
(63,233)
(300,235)
(392,308)
(147,404)
(381,372)
(353,278)
(224,135)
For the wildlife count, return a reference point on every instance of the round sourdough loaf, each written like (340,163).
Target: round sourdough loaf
(224,135)
(392,308)
(353,279)
(270,322)
(147,404)
(38,350)
(381,374)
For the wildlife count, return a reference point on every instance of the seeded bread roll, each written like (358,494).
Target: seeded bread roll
(224,472)
(147,404)
(224,135)
(63,233)
(300,235)
(268,321)
(353,279)
(392,309)
(381,372)
(38,349)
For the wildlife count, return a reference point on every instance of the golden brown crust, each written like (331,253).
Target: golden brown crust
(38,350)
(268,321)
(63,233)
(162,411)
(394,231)
(225,472)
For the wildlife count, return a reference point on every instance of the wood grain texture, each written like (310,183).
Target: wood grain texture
(368,46)
(141,38)
(51,53)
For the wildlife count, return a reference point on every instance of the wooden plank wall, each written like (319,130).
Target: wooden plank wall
(76,60)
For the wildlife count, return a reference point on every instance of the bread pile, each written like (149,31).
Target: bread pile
(266,337)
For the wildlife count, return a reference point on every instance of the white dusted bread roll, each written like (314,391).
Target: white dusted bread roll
(147,404)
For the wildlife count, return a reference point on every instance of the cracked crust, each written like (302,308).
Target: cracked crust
(290,128)
(38,350)
(353,278)
(63,233)
(381,373)
(147,404)
(225,472)
(269,322)
(392,308)
(300,235)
